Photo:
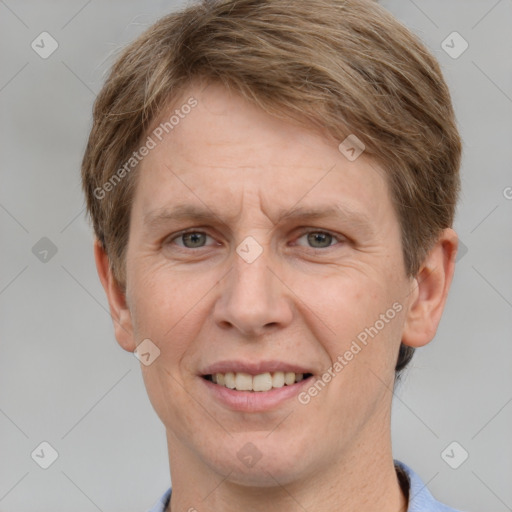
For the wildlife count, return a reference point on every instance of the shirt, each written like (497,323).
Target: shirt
(420,499)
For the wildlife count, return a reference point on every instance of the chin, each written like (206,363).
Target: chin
(255,460)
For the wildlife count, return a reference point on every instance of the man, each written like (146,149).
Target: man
(272,187)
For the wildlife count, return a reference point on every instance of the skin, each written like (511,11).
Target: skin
(303,300)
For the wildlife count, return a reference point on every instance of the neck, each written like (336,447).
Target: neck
(362,480)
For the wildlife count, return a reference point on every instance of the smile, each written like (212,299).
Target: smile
(241,381)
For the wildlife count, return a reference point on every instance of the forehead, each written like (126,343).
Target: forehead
(224,151)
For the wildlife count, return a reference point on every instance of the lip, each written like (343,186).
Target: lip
(254,401)
(254,367)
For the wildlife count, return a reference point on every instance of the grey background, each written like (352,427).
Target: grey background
(64,379)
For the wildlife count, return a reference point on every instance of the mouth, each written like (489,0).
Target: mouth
(242,381)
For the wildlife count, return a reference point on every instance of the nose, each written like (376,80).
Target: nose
(253,298)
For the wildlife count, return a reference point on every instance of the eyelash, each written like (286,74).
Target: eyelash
(302,233)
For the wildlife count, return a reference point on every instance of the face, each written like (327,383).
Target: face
(256,248)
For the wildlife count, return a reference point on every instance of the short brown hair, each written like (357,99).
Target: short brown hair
(347,67)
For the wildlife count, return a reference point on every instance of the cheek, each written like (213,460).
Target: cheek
(354,310)
(166,308)
(358,323)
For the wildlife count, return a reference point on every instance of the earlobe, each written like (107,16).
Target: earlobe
(119,310)
(430,290)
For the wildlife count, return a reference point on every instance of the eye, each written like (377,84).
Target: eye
(190,239)
(197,239)
(319,239)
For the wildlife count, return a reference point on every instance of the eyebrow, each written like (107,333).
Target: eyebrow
(357,219)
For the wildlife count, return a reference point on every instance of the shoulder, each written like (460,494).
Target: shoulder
(162,503)
(420,498)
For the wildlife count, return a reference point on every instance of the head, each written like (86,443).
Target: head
(242,110)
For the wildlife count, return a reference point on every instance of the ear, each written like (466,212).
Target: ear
(119,311)
(430,290)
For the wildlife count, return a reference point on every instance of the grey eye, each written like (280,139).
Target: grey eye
(193,240)
(319,239)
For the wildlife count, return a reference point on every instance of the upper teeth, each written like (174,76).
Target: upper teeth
(263,382)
